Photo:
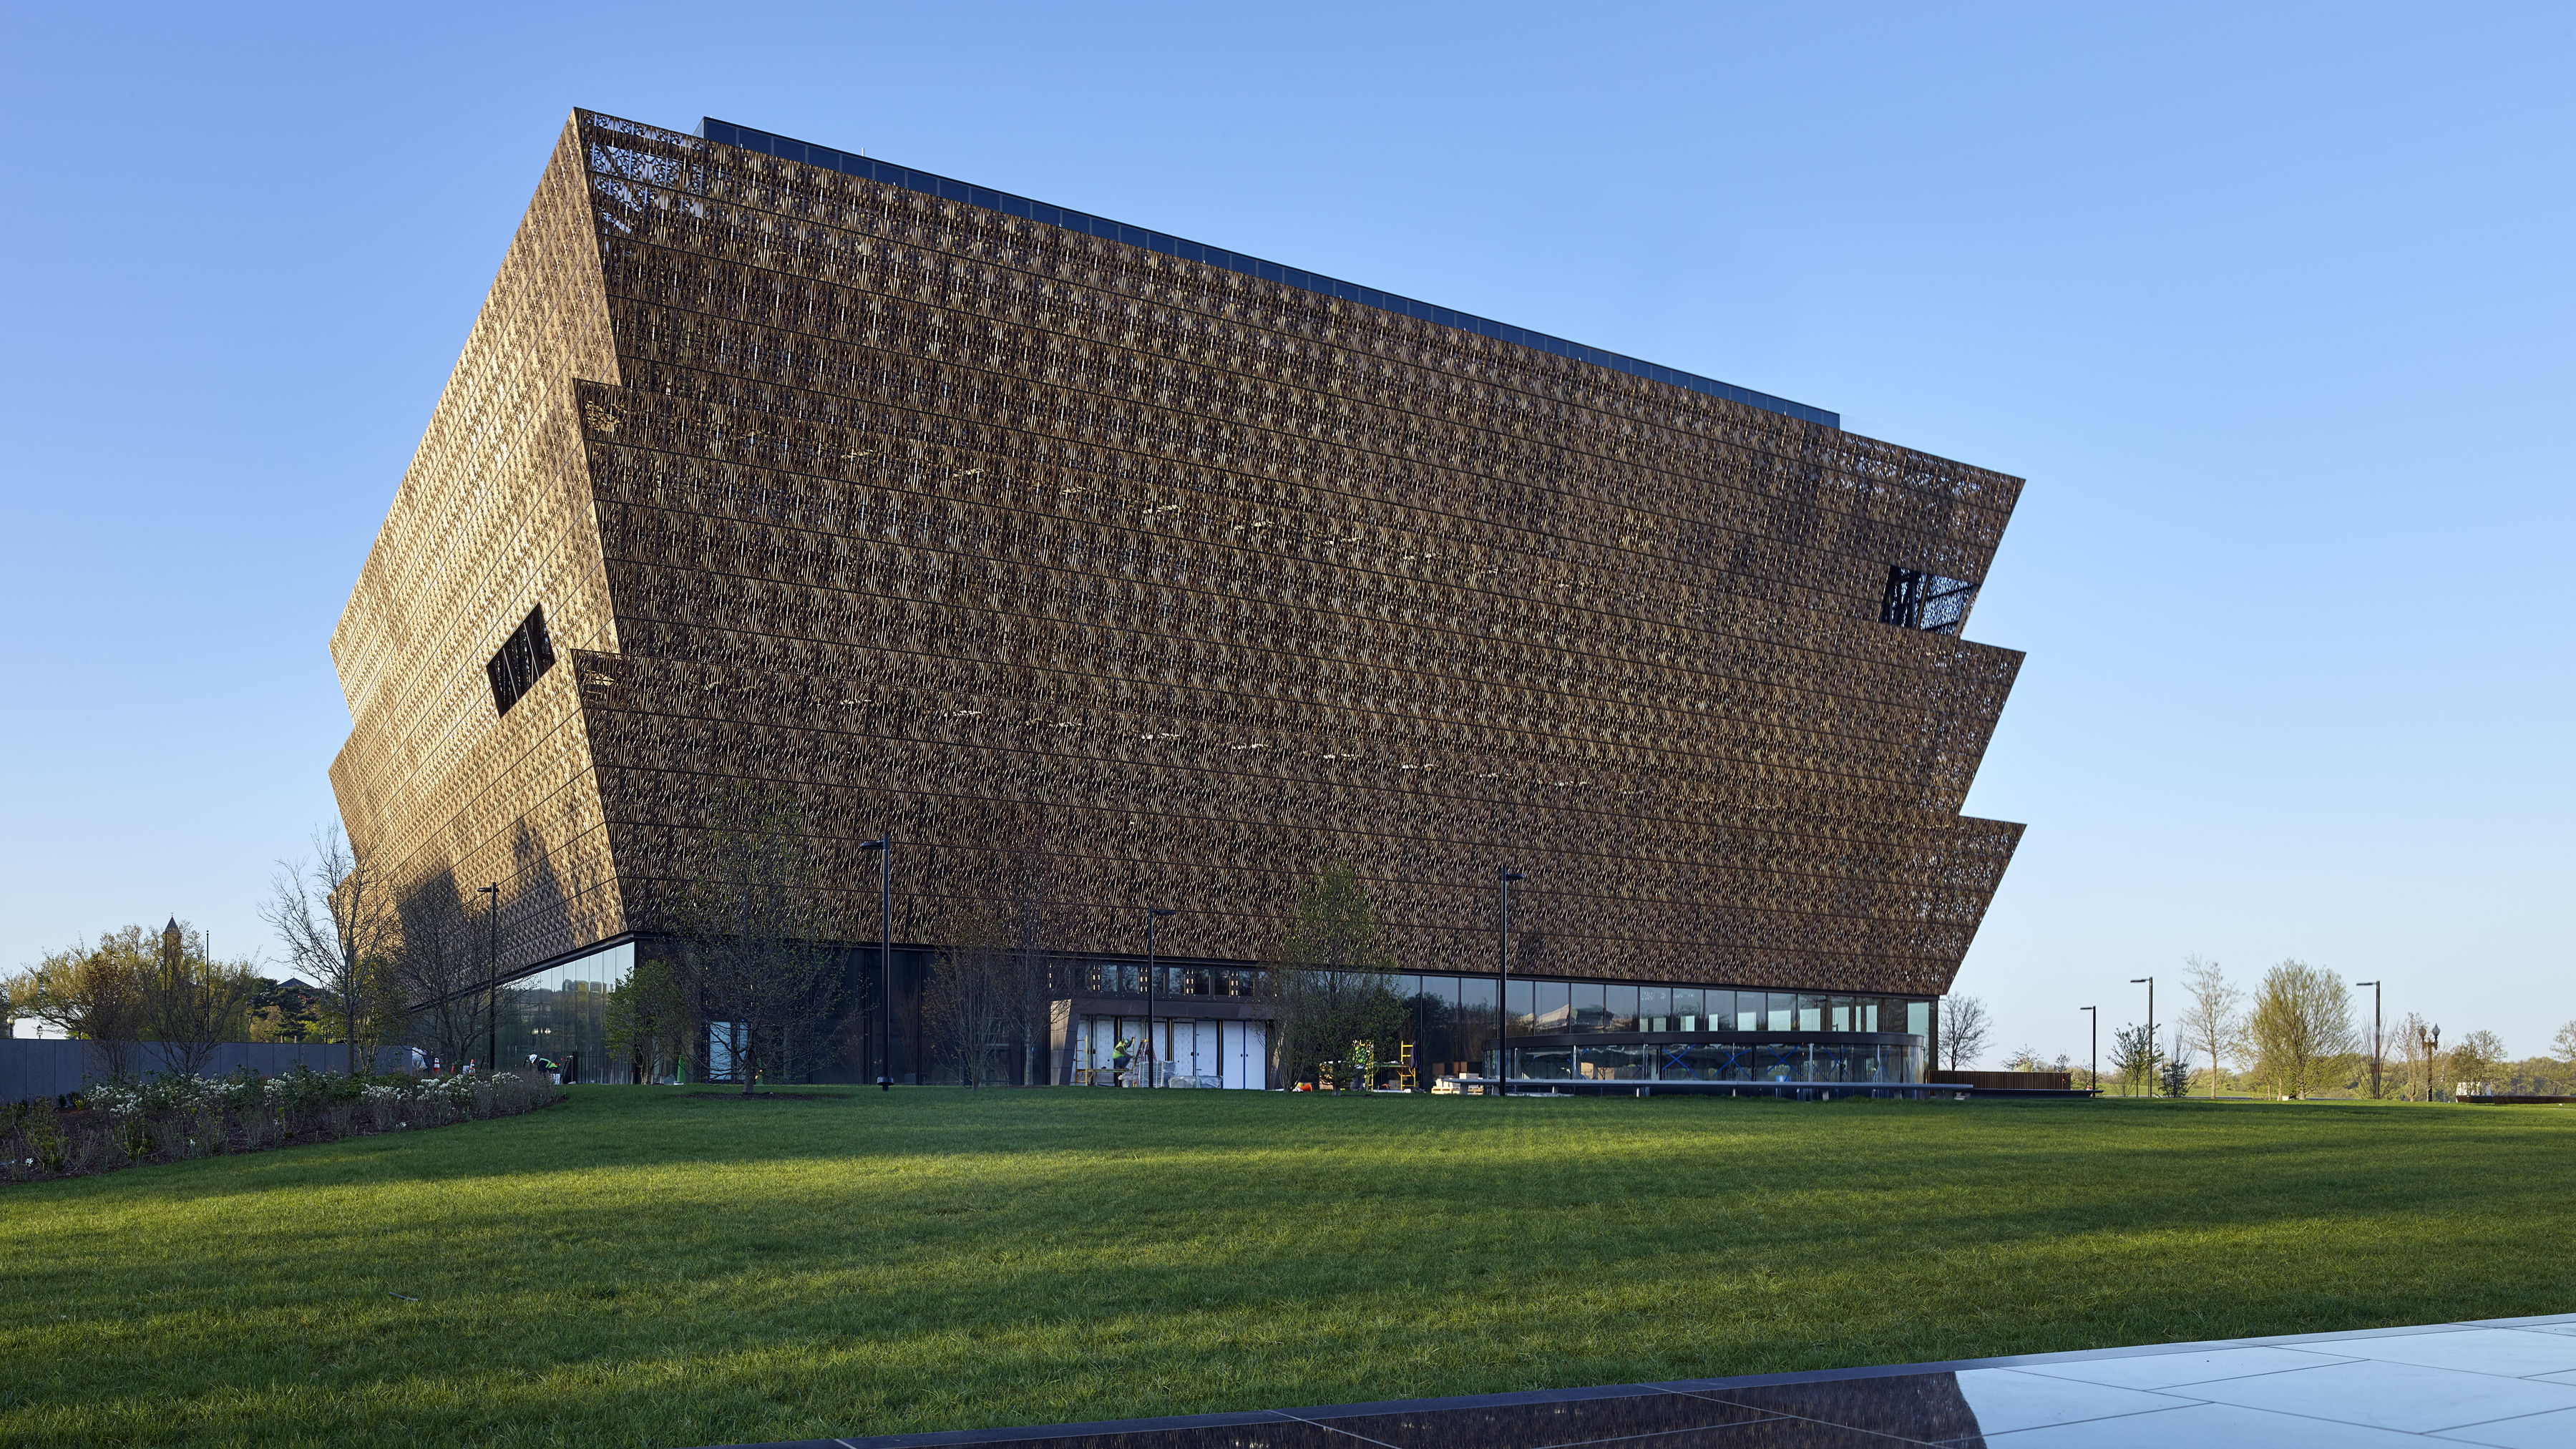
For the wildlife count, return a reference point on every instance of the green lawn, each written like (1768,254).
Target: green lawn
(640,1268)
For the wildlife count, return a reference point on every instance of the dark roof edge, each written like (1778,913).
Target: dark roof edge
(769,143)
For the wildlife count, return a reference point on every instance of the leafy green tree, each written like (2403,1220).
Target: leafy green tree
(101,995)
(2302,1022)
(1333,982)
(2478,1059)
(2137,1058)
(648,1020)
(283,1010)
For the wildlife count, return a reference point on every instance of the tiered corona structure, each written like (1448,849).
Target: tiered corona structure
(1023,535)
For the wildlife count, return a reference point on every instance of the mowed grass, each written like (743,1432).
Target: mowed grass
(637,1267)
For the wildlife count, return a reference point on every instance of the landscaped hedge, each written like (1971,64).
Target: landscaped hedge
(173,1118)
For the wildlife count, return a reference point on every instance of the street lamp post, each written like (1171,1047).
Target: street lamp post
(2427,1043)
(2150,983)
(1152,914)
(2097,1047)
(1503,878)
(883,845)
(2374,1037)
(492,987)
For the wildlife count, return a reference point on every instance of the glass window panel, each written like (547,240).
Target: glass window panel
(1612,1063)
(1782,1010)
(1472,1032)
(1811,1013)
(1842,1015)
(1622,1003)
(1407,987)
(1548,1064)
(1521,1001)
(1551,1009)
(1689,1005)
(1655,1003)
(1587,1011)
(1918,1017)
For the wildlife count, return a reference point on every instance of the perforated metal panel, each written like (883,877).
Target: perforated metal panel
(1007,537)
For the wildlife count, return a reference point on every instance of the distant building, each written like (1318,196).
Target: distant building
(1058,546)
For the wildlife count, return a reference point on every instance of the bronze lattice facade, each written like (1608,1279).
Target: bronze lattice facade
(1006,535)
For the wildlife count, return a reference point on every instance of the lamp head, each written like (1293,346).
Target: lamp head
(878,844)
(1507,873)
(1159,911)
(2140,980)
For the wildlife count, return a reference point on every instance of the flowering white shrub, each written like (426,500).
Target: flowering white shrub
(172,1117)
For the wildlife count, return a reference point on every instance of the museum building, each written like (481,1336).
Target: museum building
(1112,571)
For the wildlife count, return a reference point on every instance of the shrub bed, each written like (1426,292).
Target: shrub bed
(175,1118)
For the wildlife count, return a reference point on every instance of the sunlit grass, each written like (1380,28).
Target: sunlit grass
(642,1268)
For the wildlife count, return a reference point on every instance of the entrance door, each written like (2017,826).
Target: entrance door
(1245,1056)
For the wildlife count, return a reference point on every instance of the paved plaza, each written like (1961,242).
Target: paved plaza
(2509,1383)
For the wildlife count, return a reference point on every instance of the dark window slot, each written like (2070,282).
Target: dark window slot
(1917,600)
(526,654)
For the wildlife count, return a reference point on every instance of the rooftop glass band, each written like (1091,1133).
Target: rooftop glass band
(787,149)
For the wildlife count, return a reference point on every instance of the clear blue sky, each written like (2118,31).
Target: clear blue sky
(2269,304)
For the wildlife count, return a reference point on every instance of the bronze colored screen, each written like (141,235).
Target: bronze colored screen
(1023,543)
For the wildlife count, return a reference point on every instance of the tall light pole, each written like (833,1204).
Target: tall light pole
(492,976)
(883,845)
(2097,1047)
(2150,983)
(1152,914)
(2374,1037)
(1503,878)
(2428,1043)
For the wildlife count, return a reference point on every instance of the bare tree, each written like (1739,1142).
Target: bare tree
(1033,930)
(753,925)
(973,997)
(1964,1028)
(2419,1052)
(2564,1046)
(335,915)
(2211,1019)
(193,1003)
(2302,1020)
(442,967)
(1334,981)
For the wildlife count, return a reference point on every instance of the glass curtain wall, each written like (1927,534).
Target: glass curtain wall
(1452,1020)
(560,1015)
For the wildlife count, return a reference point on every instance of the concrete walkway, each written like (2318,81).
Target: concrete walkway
(2507,1383)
